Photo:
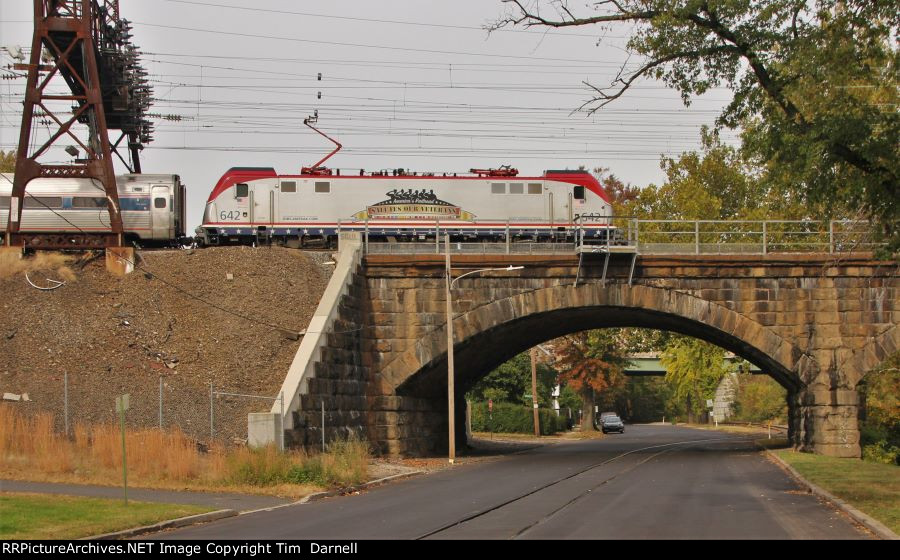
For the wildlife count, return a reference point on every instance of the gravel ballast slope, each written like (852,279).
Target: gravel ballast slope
(120,335)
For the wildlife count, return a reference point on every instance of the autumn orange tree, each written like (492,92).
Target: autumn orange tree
(590,362)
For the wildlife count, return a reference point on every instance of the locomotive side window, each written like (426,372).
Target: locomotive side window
(43,202)
(579,193)
(498,188)
(323,186)
(535,188)
(4,202)
(159,202)
(288,186)
(89,202)
(516,188)
(241,190)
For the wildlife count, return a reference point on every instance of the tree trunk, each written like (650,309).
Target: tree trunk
(587,409)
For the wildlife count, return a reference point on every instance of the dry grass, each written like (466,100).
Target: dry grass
(56,265)
(30,450)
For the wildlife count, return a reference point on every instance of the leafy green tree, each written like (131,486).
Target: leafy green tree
(511,381)
(7,161)
(880,429)
(717,182)
(694,369)
(644,399)
(759,398)
(813,82)
(568,398)
(590,362)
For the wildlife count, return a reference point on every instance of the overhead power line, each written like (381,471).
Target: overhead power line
(359,45)
(565,33)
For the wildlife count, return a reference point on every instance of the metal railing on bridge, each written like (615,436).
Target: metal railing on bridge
(748,237)
(633,235)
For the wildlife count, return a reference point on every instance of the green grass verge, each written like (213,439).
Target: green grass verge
(40,516)
(872,488)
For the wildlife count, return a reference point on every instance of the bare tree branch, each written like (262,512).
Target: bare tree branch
(606,98)
(530,19)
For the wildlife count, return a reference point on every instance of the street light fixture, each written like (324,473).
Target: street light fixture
(451,405)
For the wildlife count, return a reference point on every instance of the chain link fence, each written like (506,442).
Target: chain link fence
(203,412)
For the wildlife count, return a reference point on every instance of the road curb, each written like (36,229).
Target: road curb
(365,486)
(170,524)
(225,513)
(863,519)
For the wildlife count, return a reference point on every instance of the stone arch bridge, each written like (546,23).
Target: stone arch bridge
(816,322)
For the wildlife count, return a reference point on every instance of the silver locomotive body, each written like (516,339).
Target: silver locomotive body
(257,203)
(152,206)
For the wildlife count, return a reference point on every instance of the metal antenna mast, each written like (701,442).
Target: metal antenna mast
(86,45)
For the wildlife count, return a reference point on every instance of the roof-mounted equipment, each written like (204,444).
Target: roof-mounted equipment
(502,171)
(317,168)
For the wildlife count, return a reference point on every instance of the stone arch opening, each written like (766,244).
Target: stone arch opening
(479,354)
(489,334)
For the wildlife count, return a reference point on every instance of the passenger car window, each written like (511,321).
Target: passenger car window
(89,202)
(43,202)
(159,202)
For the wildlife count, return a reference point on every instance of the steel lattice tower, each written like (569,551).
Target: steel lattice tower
(87,45)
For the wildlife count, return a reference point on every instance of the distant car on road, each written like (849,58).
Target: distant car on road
(598,420)
(612,424)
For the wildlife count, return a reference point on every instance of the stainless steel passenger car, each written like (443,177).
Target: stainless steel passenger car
(258,204)
(152,206)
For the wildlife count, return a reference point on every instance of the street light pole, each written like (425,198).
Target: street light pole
(451,419)
(451,401)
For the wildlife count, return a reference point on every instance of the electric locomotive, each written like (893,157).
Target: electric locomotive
(259,205)
(255,204)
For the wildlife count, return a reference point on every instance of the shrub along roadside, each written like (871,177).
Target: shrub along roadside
(514,418)
(343,464)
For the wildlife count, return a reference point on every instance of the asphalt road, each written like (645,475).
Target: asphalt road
(653,482)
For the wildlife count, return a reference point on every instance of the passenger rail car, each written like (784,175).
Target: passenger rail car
(152,207)
(257,204)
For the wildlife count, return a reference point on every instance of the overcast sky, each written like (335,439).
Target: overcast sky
(412,84)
